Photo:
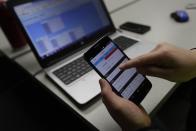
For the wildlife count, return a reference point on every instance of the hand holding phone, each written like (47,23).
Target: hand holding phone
(135,27)
(105,57)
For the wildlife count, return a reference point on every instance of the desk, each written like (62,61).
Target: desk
(155,13)
(115,5)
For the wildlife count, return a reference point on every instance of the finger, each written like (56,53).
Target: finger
(110,99)
(104,84)
(154,71)
(158,47)
(106,90)
(142,60)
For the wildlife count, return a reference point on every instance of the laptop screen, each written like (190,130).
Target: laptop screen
(55,25)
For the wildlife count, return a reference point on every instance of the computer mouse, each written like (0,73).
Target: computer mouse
(180,16)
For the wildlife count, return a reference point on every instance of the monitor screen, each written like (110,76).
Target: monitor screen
(54,25)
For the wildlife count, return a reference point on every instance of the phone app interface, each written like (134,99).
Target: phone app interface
(108,61)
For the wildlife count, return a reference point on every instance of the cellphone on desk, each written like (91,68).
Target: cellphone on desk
(135,27)
(105,57)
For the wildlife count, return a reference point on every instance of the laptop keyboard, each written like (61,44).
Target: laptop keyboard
(77,68)
(73,70)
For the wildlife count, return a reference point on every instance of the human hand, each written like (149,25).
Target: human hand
(166,61)
(128,115)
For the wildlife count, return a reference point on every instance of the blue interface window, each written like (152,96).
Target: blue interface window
(53,25)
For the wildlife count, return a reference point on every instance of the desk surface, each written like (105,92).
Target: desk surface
(115,5)
(155,13)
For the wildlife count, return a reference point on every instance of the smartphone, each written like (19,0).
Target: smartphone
(105,57)
(135,27)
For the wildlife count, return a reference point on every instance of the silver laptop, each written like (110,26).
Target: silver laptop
(59,32)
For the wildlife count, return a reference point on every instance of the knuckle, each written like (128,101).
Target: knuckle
(160,45)
(165,51)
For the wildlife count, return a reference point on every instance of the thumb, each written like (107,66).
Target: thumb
(109,98)
(105,88)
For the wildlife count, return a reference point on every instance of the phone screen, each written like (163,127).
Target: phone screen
(107,61)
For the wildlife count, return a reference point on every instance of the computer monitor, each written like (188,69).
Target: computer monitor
(57,27)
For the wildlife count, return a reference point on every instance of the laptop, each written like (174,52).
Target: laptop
(59,32)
